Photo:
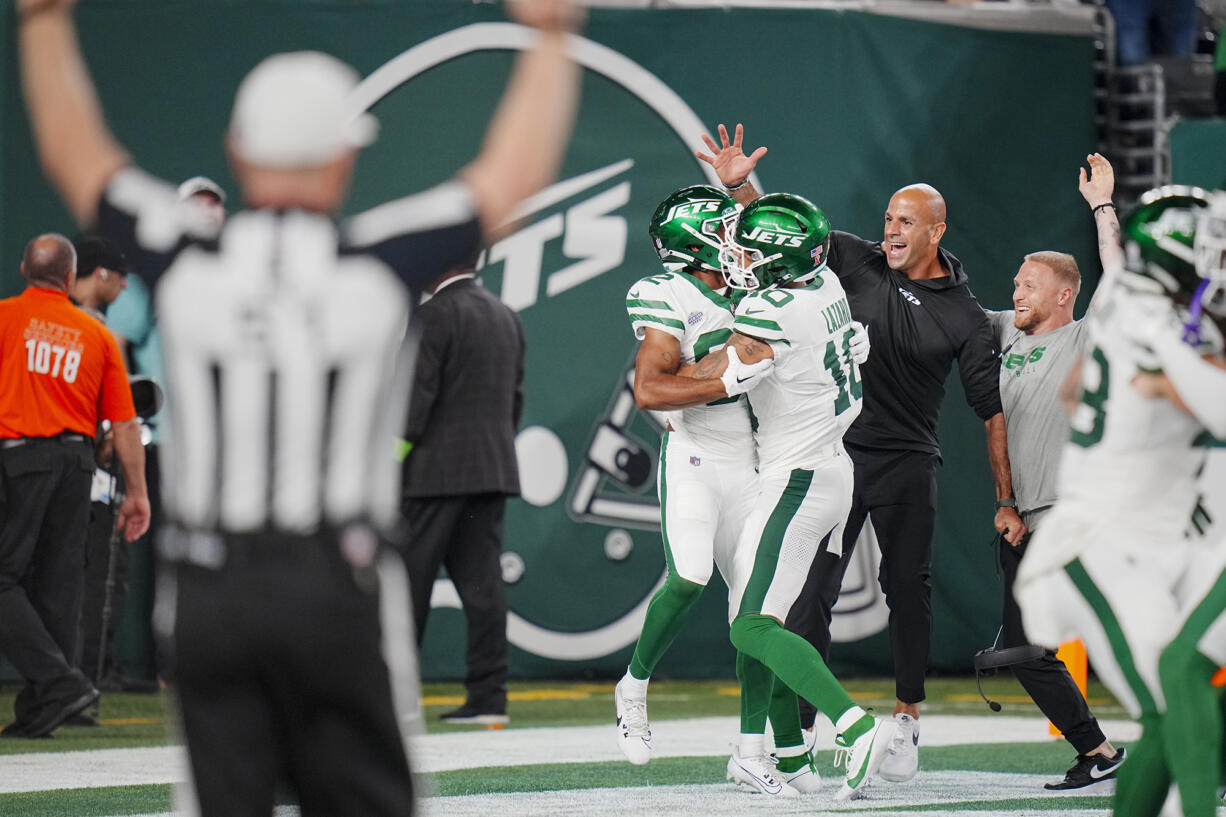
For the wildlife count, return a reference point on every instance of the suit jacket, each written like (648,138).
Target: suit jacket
(467,395)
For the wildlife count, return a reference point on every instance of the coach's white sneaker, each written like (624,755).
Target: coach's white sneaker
(902,758)
(862,758)
(758,773)
(800,773)
(633,733)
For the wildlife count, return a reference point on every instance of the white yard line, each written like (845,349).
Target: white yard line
(723,800)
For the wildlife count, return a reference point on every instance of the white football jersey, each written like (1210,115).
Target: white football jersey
(1129,456)
(701,319)
(814,394)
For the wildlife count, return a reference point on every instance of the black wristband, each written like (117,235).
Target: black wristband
(732,188)
(1103,207)
(1007,502)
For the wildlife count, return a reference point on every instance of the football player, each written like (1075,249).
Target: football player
(1107,565)
(1193,379)
(706,475)
(797,315)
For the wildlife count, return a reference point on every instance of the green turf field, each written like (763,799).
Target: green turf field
(477,770)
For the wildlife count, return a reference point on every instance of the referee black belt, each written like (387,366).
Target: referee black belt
(65,437)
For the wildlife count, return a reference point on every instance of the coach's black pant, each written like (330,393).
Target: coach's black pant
(44,514)
(281,675)
(899,489)
(1046,680)
(464,534)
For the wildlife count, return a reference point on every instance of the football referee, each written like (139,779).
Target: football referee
(282,338)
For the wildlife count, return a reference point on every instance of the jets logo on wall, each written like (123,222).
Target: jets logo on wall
(581,548)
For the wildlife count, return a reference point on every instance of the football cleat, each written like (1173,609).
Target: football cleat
(633,732)
(863,757)
(758,773)
(804,778)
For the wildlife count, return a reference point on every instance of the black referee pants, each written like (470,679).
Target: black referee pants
(464,534)
(899,489)
(1046,680)
(282,678)
(44,515)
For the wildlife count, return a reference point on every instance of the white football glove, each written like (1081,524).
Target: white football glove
(739,377)
(859,343)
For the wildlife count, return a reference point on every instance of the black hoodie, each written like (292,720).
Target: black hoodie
(917,329)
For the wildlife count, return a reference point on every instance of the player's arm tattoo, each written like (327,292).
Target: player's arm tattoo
(750,349)
(710,366)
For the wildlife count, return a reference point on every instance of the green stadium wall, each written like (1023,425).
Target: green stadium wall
(852,106)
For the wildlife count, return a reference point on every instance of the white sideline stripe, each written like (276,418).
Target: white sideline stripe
(725,800)
(695,737)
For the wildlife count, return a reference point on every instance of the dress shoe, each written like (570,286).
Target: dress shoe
(55,714)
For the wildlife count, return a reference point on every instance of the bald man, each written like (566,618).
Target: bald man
(921,316)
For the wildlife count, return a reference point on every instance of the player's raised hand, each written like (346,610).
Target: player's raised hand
(547,15)
(1098,185)
(729,160)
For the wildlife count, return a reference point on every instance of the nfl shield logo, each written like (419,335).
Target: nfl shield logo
(695,460)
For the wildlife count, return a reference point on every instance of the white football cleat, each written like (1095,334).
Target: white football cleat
(758,773)
(863,758)
(902,758)
(805,780)
(633,732)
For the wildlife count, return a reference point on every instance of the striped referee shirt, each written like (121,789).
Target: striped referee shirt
(283,339)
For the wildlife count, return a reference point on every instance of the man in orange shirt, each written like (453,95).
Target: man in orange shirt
(60,374)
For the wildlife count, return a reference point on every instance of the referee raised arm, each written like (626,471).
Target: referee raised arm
(60,374)
(282,337)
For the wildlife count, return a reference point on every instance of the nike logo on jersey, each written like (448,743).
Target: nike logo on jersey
(909,296)
(753,311)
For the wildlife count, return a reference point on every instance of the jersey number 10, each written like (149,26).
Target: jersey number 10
(839,364)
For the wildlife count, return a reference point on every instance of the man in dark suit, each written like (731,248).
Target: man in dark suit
(459,469)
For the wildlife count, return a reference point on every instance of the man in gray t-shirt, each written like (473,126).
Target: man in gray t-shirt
(1033,365)
(1040,343)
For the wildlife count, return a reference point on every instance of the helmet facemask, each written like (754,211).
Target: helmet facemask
(1209,247)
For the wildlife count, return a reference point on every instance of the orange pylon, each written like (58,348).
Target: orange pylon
(1073,654)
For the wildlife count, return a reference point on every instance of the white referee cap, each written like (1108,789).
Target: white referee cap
(201,184)
(294,110)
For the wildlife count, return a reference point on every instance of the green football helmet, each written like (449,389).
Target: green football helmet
(778,239)
(685,228)
(1177,235)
